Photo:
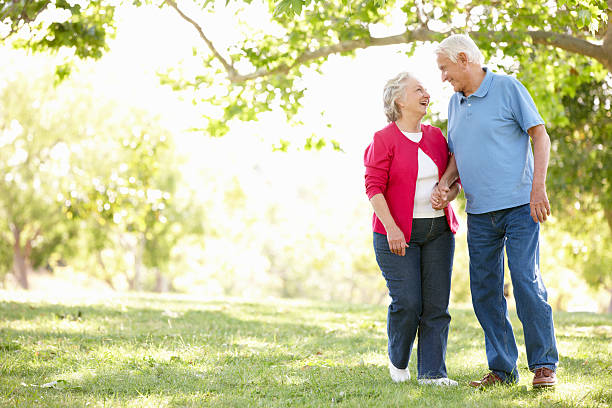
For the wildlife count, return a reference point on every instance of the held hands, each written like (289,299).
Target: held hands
(397,241)
(538,203)
(440,196)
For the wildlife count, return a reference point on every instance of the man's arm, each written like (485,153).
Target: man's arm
(540,207)
(451,174)
(442,193)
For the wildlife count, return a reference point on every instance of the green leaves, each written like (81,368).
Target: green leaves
(290,7)
(55,25)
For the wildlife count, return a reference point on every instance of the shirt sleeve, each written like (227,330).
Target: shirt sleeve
(448,132)
(377,160)
(523,107)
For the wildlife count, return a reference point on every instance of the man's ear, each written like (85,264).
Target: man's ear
(462,59)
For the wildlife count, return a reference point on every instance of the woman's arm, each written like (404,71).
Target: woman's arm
(395,236)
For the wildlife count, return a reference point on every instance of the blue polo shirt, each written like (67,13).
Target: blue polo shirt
(487,132)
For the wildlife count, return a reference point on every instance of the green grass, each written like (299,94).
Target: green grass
(172,351)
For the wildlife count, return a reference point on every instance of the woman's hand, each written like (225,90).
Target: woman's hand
(397,241)
(442,195)
(439,197)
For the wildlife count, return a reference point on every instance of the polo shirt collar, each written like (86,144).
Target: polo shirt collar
(483,89)
(485,84)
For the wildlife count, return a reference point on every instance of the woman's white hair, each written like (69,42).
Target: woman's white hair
(393,89)
(456,43)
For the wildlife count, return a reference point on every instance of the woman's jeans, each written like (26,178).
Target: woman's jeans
(487,235)
(419,287)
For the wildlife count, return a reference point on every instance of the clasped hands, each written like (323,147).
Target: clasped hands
(441,196)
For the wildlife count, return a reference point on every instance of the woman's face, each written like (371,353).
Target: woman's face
(414,99)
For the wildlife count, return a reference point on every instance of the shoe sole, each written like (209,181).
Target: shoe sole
(544,385)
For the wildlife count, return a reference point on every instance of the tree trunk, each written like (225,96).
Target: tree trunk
(21,263)
(162,284)
(608,215)
(107,276)
(139,252)
(610,304)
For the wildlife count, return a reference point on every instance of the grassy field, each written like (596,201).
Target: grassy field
(172,351)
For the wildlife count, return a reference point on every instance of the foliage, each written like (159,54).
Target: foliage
(77,165)
(151,351)
(41,25)
(551,46)
(580,178)
(33,144)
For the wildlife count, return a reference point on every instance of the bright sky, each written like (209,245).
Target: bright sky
(349,92)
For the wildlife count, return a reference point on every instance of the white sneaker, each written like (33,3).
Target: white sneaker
(398,374)
(438,381)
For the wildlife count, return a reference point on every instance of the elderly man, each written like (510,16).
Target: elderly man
(490,120)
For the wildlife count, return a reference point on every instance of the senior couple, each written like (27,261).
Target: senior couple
(411,176)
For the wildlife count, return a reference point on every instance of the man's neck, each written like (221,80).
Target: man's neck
(477,76)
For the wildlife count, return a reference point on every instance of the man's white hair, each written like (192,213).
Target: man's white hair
(456,43)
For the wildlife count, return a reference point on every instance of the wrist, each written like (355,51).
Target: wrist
(389,225)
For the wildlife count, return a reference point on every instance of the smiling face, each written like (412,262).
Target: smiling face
(414,99)
(452,72)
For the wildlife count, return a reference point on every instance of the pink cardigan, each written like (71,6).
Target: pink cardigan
(391,162)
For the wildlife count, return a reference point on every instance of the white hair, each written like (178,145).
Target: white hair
(456,43)
(393,89)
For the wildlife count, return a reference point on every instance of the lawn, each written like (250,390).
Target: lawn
(175,351)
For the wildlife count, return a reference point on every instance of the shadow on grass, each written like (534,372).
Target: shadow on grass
(243,354)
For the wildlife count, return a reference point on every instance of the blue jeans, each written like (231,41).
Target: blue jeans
(419,287)
(487,235)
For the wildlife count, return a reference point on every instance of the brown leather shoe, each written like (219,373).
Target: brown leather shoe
(544,377)
(487,381)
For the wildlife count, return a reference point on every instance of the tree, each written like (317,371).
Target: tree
(34,137)
(581,177)
(552,43)
(82,27)
(557,45)
(127,201)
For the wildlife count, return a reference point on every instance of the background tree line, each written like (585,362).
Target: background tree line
(561,50)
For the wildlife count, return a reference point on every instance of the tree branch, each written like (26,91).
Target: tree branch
(562,41)
(420,34)
(231,71)
(571,44)
(21,14)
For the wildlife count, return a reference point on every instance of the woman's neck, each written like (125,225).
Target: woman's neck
(407,124)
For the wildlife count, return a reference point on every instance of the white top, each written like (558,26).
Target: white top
(427,178)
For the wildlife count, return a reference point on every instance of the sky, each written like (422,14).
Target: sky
(348,91)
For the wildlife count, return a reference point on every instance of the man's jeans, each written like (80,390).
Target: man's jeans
(487,235)
(419,286)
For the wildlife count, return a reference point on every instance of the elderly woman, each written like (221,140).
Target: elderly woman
(413,233)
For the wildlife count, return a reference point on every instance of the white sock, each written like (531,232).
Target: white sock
(398,374)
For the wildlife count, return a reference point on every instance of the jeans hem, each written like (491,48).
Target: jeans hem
(507,378)
(549,366)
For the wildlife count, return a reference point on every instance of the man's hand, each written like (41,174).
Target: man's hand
(439,197)
(397,241)
(538,203)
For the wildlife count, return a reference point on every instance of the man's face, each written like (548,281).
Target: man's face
(451,71)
